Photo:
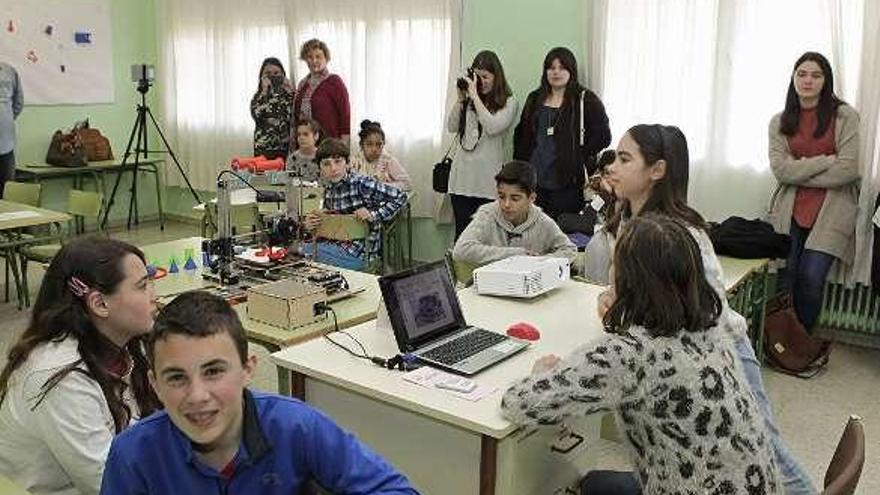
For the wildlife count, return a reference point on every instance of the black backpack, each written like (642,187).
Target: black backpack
(748,239)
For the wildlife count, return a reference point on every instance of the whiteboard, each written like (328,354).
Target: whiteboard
(61,49)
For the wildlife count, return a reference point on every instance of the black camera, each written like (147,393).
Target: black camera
(462,83)
(143,75)
(277,83)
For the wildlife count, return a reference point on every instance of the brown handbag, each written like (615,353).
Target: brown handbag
(66,150)
(788,346)
(97,146)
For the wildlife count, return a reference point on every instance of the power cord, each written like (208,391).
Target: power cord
(402,362)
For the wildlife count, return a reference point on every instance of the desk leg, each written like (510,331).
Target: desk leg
(297,383)
(12,263)
(488,464)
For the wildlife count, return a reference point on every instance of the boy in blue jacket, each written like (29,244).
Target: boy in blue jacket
(216,436)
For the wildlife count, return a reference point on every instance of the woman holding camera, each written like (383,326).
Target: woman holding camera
(562,128)
(481,117)
(270,108)
(322,96)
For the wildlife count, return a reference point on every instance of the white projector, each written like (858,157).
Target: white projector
(521,276)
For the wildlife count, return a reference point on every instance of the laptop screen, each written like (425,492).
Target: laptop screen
(421,304)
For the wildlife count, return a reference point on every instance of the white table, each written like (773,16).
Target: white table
(442,443)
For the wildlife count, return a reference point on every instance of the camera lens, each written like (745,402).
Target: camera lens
(462,84)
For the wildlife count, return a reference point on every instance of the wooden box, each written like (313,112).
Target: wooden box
(285,304)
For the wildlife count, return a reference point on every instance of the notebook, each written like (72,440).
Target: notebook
(427,321)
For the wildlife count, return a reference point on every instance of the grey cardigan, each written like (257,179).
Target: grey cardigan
(835,229)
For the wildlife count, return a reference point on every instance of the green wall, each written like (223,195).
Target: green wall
(134,41)
(519,31)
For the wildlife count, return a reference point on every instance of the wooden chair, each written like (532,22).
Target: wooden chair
(24,193)
(842,475)
(82,206)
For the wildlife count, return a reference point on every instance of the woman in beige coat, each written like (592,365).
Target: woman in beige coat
(814,153)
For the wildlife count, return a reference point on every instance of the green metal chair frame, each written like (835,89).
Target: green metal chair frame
(81,205)
(28,194)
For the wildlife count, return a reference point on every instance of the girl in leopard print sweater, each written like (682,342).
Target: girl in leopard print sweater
(668,371)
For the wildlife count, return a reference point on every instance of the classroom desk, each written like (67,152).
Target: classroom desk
(39,172)
(442,443)
(16,216)
(746,282)
(351,311)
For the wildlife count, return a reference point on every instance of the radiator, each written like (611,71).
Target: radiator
(855,309)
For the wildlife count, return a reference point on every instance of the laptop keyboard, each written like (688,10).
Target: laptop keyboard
(464,347)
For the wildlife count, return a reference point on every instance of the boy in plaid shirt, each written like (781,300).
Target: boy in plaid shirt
(346,192)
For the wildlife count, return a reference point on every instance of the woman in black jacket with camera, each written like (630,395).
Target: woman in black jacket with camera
(562,127)
(271,108)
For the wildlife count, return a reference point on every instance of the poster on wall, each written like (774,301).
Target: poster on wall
(61,49)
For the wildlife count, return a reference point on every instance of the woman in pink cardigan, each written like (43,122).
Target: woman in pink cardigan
(322,96)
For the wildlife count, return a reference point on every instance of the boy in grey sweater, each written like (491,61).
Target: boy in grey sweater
(512,225)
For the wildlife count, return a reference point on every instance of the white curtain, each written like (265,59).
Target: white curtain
(210,53)
(719,69)
(395,56)
(398,59)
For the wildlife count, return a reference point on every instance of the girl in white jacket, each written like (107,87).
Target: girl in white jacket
(77,375)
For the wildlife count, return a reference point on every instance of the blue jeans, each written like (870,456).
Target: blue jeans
(794,479)
(804,276)
(331,253)
(601,482)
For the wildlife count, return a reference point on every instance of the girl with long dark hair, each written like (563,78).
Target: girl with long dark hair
(814,155)
(481,117)
(271,106)
(77,375)
(650,175)
(562,127)
(667,369)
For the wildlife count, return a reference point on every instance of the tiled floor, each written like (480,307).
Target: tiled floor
(810,413)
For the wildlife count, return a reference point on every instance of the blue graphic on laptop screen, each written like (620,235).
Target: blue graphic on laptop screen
(423,302)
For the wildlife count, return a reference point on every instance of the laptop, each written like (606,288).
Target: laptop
(426,318)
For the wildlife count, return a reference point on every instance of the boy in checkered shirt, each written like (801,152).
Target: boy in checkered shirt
(347,192)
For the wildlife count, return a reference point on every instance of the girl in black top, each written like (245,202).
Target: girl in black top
(562,128)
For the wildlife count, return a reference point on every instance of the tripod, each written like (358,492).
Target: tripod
(139,129)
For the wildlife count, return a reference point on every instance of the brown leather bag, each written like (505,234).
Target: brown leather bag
(97,146)
(788,346)
(66,150)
